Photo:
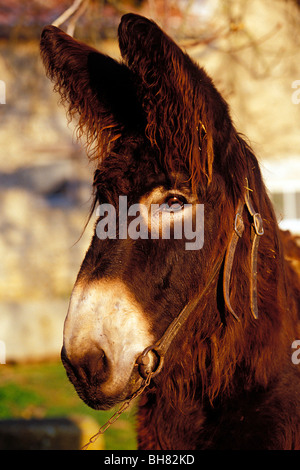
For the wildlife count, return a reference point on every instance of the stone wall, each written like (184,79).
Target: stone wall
(45,197)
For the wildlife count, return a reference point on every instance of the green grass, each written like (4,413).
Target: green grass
(43,390)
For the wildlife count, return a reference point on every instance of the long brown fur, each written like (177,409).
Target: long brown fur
(157,119)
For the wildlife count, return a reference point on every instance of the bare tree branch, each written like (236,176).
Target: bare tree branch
(77,9)
(72,24)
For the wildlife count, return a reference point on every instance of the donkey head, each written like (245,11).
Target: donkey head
(161,136)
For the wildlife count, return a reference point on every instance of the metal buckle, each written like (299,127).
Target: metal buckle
(258,224)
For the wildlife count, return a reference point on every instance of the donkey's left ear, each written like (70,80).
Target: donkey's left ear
(93,86)
(186,116)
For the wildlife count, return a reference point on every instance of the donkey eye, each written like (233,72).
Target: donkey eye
(174,203)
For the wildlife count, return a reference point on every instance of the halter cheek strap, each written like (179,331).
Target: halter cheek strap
(257,232)
(236,235)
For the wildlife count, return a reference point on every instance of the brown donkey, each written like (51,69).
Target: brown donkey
(211,312)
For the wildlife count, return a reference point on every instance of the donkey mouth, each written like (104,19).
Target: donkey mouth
(102,391)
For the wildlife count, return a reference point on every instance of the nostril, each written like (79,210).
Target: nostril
(88,366)
(94,363)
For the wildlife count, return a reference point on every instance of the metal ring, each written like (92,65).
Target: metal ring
(143,364)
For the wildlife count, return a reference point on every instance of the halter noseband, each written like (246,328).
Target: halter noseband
(162,345)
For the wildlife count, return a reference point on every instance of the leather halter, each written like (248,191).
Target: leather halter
(162,345)
(257,231)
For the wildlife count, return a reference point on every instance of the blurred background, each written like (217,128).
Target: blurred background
(249,47)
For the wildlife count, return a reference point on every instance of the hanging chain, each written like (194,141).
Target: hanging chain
(118,413)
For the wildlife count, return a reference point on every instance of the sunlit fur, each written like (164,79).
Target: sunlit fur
(156,119)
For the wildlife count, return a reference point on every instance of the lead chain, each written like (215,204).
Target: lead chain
(118,413)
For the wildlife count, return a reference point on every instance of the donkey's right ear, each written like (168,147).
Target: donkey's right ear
(93,86)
